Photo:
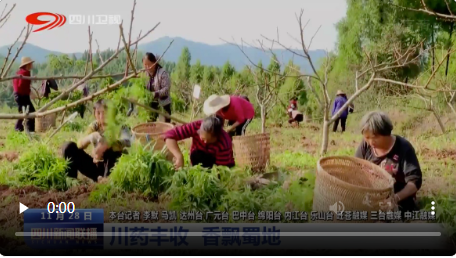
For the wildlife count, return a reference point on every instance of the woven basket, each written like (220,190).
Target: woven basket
(44,123)
(151,132)
(252,151)
(351,184)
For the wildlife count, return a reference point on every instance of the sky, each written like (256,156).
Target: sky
(207,21)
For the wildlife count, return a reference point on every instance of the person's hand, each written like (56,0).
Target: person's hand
(95,137)
(178,162)
(99,150)
(389,204)
(102,180)
(230,129)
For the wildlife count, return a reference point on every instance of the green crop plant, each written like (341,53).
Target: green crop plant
(114,122)
(232,179)
(299,193)
(7,173)
(272,197)
(16,139)
(247,199)
(142,170)
(40,166)
(102,193)
(195,188)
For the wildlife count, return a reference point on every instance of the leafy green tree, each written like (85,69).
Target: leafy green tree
(227,72)
(196,72)
(208,75)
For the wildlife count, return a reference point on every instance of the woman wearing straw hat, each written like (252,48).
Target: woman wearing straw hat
(22,91)
(238,111)
(341,99)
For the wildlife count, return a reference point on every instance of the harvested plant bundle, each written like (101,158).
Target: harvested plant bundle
(141,170)
(196,189)
(117,108)
(113,124)
(40,166)
(297,196)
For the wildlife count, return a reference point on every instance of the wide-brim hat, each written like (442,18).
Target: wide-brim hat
(214,103)
(25,61)
(339,92)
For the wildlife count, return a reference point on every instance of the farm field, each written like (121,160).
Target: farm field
(294,155)
(379,61)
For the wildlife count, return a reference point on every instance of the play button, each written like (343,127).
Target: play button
(22,208)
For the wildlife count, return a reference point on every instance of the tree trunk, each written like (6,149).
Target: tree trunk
(449,48)
(442,127)
(263,118)
(325,138)
(433,48)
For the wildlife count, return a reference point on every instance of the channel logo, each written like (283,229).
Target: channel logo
(57,20)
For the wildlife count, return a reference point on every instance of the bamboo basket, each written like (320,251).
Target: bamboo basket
(351,184)
(44,123)
(252,151)
(152,132)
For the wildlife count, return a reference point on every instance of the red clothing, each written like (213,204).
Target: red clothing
(239,110)
(293,103)
(222,150)
(21,86)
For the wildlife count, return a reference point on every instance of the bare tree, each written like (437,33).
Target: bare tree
(43,111)
(267,87)
(372,70)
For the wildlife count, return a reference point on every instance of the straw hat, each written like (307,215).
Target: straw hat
(26,60)
(339,92)
(214,103)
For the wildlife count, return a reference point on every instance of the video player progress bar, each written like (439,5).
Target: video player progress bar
(305,234)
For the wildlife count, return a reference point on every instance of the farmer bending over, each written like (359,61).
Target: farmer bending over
(237,110)
(394,154)
(211,145)
(293,112)
(104,156)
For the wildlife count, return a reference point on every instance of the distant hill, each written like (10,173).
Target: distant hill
(36,53)
(215,55)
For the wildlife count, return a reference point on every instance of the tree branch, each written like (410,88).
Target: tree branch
(2,18)
(74,86)
(29,30)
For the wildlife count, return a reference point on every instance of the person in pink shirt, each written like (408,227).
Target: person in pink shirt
(236,109)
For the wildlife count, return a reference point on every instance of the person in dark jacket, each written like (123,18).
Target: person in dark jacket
(341,99)
(46,87)
(22,91)
(159,84)
(394,154)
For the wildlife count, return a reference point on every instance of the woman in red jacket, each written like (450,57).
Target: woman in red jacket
(22,92)
(211,145)
(236,109)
